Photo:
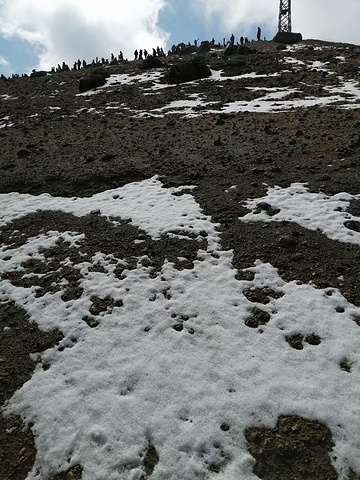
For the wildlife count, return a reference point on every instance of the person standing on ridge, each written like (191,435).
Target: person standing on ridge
(258,35)
(232,39)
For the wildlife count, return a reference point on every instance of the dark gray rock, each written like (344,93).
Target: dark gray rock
(91,81)
(287,37)
(238,50)
(152,62)
(189,50)
(204,47)
(41,73)
(187,71)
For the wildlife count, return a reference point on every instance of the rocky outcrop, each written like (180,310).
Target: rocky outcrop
(237,50)
(287,37)
(152,62)
(91,81)
(188,71)
(188,50)
(204,47)
(41,73)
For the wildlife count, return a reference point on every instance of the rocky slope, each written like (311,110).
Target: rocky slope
(264,119)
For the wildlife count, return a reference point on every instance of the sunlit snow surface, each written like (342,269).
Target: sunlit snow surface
(314,211)
(118,387)
(5,122)
(340,92)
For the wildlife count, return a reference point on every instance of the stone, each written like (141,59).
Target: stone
(89,82)
(23,153)
(189,50)
(178,327)
(286,241)
(287,37)
(353,225)
(152,62)
(295,341)
(238,50)
(313,339)
(225,427)
(41,73)
(204,47)
(187,72)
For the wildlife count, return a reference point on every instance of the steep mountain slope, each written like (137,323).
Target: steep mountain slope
(181,263)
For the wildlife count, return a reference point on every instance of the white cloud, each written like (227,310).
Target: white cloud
(64,30)
(5,66)
(321,19)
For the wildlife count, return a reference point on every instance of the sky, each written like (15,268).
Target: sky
(40,34)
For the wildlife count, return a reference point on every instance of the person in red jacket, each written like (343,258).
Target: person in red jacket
(258,35)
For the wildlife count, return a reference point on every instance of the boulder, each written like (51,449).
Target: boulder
(189,50)
(89,82)
(204,47)
(287,37)
(237,50)
(187,72)
(41,73)
(152,62)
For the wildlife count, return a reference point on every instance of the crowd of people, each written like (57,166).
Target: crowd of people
(141,54)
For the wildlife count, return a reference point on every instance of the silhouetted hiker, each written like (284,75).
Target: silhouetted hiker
(63,65)
(112,57)
(136,54)
(75,66)
(154,52)
(145,53)
(158,51)
(121,56)
(246,40)
(140,54)
(232,39)
(258,35)
(196,42)
(241,40)
(162,52)
(83,64)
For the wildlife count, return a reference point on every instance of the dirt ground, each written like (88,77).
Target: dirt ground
(66,153)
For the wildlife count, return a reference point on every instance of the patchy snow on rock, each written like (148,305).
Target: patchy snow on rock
(126,79)
(5,122)
(314,211)
(155,209)
(8,97)
(294,61)
(171,369)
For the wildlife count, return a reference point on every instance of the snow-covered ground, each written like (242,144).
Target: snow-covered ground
(342,93)
(314,211)
(134,378)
